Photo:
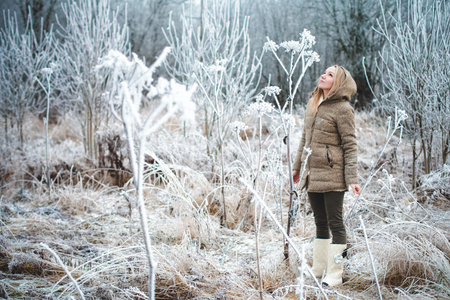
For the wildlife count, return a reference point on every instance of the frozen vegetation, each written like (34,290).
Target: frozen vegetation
(123,179)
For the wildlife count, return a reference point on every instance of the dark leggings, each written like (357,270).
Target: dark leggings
(327,209)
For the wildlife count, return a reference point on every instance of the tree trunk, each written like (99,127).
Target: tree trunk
(445,146)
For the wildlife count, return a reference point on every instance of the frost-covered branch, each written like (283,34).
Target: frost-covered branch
(90,31)
(415,75)
(217,57)
(399,118)
(130,79)
(58,259)
(299,52)
(215,54)
(22,57)
(285,234)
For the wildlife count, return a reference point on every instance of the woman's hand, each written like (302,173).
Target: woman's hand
(296,175)
(355,188)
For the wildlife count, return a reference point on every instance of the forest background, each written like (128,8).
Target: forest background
(119,184)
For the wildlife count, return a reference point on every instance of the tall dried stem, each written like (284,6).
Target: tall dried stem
(129,80)
(301,58)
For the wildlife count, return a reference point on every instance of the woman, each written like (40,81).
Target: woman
(329,131)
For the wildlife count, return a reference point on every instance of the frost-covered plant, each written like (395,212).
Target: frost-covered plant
(90,30)
(130,80)
(260,156)
(405,254)
(216,54)
(437,182)
(416,77)
(217,57)
(288,239)
(47,73)
(392,127)
(22,57)
(251,159)
(301,58)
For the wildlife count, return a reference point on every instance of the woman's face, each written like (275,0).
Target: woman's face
(327,79)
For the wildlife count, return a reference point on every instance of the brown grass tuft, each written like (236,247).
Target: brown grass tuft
(30,264)
(407,254)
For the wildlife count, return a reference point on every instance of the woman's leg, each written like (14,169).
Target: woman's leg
(334,202)
(320,215)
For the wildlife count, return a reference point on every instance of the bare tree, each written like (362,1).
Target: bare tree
(43,12)
(145,20)
(215,54)
(92,30)
(416,77)
(348,23)
(22,57)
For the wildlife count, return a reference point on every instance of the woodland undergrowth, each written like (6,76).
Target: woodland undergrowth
(90,221)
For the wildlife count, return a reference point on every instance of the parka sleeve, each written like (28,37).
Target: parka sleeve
(346,128)
(298,159)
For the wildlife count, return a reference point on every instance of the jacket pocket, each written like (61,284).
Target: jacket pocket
(329,157)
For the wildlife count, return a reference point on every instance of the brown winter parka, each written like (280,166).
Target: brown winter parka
(330,134)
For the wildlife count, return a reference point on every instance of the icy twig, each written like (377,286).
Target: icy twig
(130,79)
(400,116)
(371,259)
(301,279)
(286,236)
(299,48)
(65,269)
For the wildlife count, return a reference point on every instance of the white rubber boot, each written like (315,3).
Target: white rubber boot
(335,266)
(320,257)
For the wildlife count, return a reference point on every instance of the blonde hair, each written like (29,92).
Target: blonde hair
(339,77)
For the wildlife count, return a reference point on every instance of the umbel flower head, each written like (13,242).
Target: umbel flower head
(270,45)
(293,46)
(288,119)
(218,66)
(306,41)
(272,90)
(401,115)
(237,126)
(47,71)
(258,109)
(313,56)
(307,38)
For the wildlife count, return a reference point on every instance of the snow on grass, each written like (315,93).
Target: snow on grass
(94,227)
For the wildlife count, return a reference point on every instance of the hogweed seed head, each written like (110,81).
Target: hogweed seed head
(307,38)
(293,46)
(215,69)
(401,115)
(47,71)
(288,119)
(259,109)
(222,62)
(237,126)
(270,46)
(272,90)
(313,56)
(259,98)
